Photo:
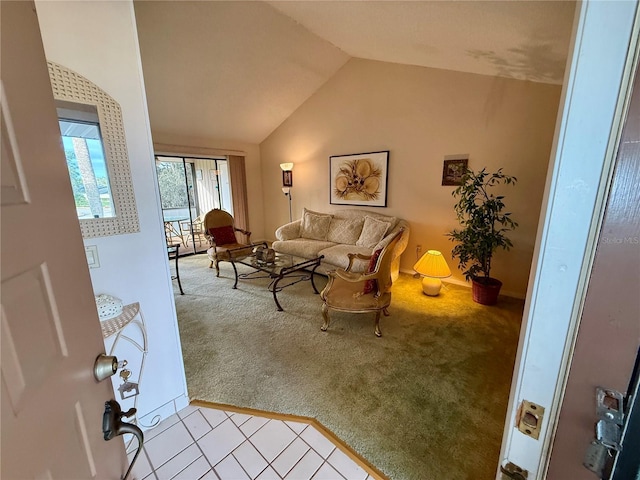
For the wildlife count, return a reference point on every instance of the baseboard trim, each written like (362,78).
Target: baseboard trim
(346,449)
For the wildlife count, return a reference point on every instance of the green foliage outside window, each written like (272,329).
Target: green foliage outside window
(173,193)
(79,191)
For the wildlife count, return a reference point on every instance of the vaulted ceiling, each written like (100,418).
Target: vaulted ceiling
(235,70)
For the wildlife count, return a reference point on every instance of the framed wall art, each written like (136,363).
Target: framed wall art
(453,170)
(359,179)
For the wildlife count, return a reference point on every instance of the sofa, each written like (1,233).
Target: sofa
(335,235)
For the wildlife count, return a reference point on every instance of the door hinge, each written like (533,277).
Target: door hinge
(511,471)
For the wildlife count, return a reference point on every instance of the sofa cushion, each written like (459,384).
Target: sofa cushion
(338,255)
(315,226)
(373,231)
(300,247)
(345,230)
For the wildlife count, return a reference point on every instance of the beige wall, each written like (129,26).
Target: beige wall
(251,154)
(419,115)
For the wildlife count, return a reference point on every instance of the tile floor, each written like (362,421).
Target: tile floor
(211,444)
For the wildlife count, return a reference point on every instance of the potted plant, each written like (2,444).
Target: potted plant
(483,229)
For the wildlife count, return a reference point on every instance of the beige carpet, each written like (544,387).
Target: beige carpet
(425,401)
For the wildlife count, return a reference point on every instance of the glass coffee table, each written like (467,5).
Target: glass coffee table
(284,271)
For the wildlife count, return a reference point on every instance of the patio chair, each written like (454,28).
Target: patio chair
(364,292)
(192,230)
(171,232)
(221,233)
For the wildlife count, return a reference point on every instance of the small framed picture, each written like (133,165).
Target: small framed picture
(287,178)
(454,169)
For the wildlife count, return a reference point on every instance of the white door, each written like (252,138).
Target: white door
(51,404)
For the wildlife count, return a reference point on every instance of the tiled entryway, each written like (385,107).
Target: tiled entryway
(207,443)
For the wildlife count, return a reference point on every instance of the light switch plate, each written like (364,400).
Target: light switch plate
(92,256)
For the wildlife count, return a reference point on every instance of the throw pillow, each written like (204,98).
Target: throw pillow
(372,285)
(372,232)
(223,235)
(345,230)
(315,225)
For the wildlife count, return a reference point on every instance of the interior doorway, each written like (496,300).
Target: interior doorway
(190,187)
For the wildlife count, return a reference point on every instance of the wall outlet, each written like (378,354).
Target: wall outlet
(418,251)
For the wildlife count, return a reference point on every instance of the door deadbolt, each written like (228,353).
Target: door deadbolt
(105,366)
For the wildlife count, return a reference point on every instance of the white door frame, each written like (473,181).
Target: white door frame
(596,84)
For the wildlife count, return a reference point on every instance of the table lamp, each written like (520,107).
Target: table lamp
(432,266)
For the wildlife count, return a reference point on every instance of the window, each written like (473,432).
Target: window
(85,160)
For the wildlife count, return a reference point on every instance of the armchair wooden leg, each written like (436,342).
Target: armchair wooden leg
(386,312)
(217,268)
(325,316)
(377,330)
(211,264)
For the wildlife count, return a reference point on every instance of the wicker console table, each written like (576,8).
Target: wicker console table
(131,316)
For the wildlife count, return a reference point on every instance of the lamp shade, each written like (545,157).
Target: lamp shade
(286,167)
(432,264)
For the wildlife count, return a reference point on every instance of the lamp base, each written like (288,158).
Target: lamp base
(431,286)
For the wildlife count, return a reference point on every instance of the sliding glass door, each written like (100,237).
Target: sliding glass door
(189,188)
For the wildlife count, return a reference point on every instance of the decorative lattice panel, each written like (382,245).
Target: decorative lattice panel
(70,86)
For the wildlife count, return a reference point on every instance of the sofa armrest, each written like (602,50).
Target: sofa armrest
(289,231)
(401,246)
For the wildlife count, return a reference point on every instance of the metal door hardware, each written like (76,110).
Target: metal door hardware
(511,471)
(598,459)
(112,426)
(608,434)
(610,405)
(601,453)
(104,367)
(530,419)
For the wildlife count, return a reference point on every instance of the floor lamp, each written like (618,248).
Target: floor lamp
(287,183)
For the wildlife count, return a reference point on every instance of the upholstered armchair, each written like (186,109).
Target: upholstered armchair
(365,292)
(221,233)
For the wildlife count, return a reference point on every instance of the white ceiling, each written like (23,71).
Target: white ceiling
(235,70)
(527,40)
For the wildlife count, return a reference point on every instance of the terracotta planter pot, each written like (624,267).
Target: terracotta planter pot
(485,290)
